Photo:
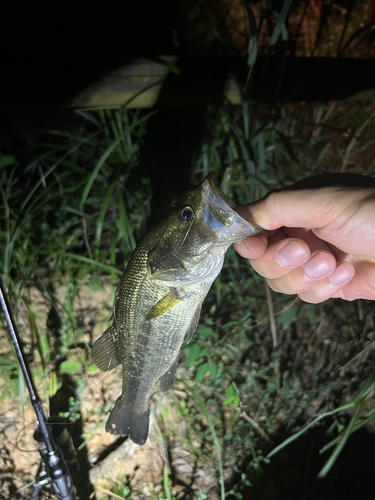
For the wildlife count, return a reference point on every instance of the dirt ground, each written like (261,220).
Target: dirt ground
(110,461)
(333,353)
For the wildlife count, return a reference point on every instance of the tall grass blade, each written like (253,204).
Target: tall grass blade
(167,489)
(124,226)
(217,445)
(36,185)
(21,390)
(259,139)
(96,171)
(354,140)
(94,263)
(103,211)
(280,27)
(51,169)
(88,117)
(306,429)
(252,51)
(340,446)
(107,153)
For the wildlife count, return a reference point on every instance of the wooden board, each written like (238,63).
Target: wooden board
(139,85)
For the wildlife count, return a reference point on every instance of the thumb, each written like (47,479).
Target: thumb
(307,208)
(362,284)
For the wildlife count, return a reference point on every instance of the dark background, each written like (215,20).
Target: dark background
(50,51)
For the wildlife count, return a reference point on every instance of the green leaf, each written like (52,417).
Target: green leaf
(230,324)
(205,332)
(212,369)
(7,160)
(230,395)
(230,391)
(193,354)
(201,373)
(7,363)
(70,367)
(54,385)
(310,313)
(288,316)
(44,344)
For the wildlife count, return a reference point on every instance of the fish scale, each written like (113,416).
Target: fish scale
(159,299)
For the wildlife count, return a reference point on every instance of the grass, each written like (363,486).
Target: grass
(71,214)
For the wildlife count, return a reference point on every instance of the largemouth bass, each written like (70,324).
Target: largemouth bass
(159,298)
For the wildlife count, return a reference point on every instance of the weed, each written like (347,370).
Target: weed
(72,216)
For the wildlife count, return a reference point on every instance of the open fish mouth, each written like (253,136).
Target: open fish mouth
(218,212)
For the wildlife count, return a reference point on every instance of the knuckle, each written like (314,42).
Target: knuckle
(279,286)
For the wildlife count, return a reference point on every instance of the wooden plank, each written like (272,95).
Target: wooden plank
(143,83)
(139,85)
(275,79)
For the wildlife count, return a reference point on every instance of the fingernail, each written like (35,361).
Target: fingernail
(342,274)
(292,255)
(241,248)
(318,266)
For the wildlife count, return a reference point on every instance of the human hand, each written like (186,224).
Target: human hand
(319,238)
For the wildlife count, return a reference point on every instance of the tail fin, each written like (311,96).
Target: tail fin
(124,421)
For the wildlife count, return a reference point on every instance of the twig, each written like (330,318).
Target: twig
(274,334)
(253,423)
(86,238)
(286,308)
(110,493)
(58,183)
(244,416)
(359,355)
(272,316)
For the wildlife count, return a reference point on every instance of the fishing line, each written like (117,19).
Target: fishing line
(187,232)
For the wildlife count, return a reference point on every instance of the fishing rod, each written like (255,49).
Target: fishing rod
(56,471)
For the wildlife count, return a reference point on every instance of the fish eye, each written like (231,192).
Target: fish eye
(185,214)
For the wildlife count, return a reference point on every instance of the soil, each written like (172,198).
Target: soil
(106,460)
(111,466)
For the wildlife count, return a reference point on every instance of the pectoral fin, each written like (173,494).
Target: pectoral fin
(164,304)
(104,352)
(193,325)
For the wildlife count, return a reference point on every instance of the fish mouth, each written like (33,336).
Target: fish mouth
(218,212)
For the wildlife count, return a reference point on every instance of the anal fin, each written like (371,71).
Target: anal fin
(168,379)
(104,352)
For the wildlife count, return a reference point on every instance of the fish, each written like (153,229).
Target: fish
(159,299)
